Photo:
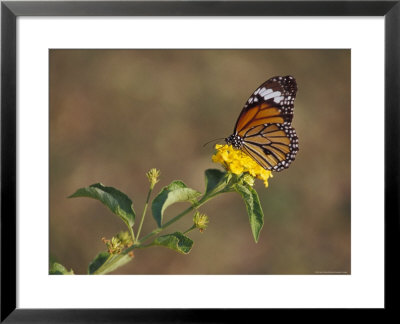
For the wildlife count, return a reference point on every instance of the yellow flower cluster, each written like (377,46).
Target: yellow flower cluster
(200,221)
(153,175)
(118,243)
(238,162)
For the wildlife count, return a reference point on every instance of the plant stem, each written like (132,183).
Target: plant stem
(112,259)
(203,200)
(143,246)
(144,214)
(173,220)
(99,270)
(223,187)
(189,229)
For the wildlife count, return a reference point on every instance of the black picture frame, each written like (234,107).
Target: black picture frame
(10,11)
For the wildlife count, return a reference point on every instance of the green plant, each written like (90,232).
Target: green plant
(238,176)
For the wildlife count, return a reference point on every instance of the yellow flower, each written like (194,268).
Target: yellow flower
(153,176)
(200,221)
(118,242)
(238,162)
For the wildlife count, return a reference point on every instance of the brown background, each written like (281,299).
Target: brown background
(114,114)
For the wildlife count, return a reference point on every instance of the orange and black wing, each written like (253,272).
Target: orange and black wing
(265,124)
(273,146)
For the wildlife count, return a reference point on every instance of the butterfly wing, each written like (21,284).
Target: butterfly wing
(273,146)
(265,124)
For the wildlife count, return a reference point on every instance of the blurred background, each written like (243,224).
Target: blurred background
(114,114)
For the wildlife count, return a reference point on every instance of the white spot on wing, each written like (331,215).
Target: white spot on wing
(273,95)
(265,91)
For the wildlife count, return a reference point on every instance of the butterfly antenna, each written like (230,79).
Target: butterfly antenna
(216,139)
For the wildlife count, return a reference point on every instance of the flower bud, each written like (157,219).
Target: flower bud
(153,176)
(200,221)
(247,178)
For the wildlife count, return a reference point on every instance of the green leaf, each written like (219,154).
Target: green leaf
(58,269)
(115,200)
(105,262)
(98,261)
(175,241)
(253,206)
(214,179)
(175,192)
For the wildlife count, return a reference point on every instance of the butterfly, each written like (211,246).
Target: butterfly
(263,129)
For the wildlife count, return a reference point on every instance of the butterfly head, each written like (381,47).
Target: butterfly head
(235,140)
